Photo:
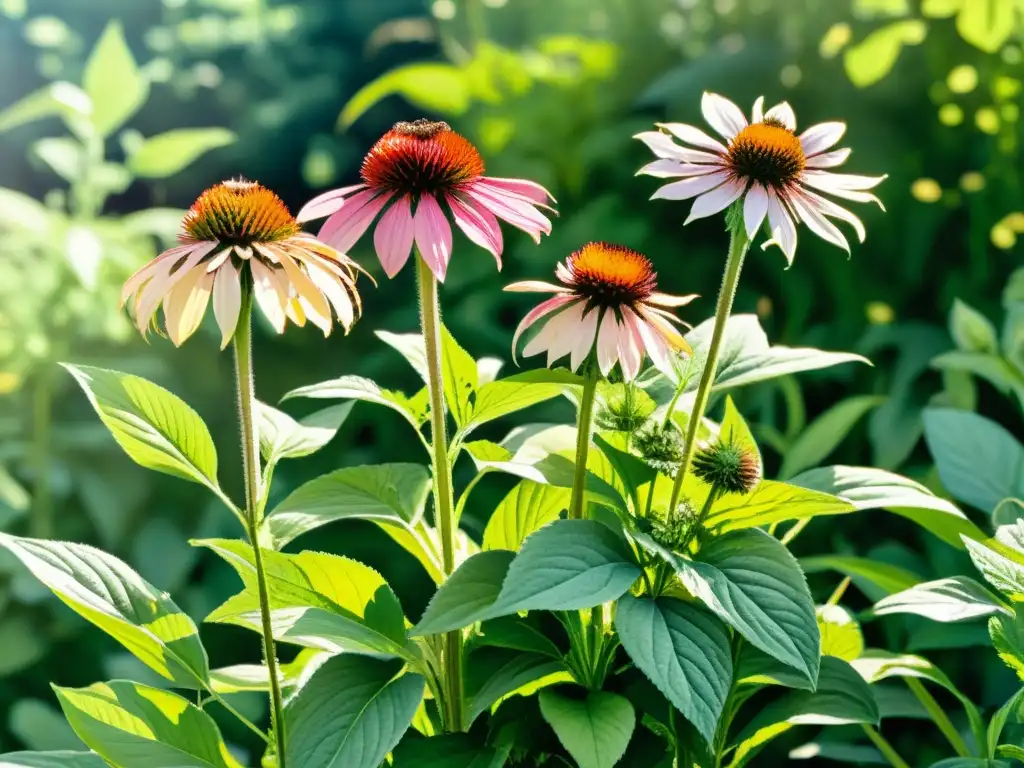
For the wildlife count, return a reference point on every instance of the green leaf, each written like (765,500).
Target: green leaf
(753,583)
(825,433)
(317,600)
(528,507)
(755,667)
(359,388)
(282,437)
(772,502)
(594,731)
(971,330)
(979,462)
(165,154)
(683,650)
(987,24)
(841,697)
(351,713)
(459,376)
(555,470)
(873,58)
(106,592)
(1001,572)
(64,99)
(155,428)
(59,759)
(130,724)
(518,633)
(514,393)
(1007,636)
(888,578)
(432,87)
(956,598)
(869,488)
(969,762)
(452,750)
(113,81)
(840,633)
(467,595)
(630,471)
(1011,751)
(1014,706)
(495,673)
(388,494)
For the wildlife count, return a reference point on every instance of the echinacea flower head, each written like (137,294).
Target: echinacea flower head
(415,176)
(239,236)
(777,174)
(607,302)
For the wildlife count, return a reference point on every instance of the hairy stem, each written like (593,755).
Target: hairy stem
(444,506)
(251,464)
(41,521)
(885,748)
(586,417)
(938,715)
(738,245)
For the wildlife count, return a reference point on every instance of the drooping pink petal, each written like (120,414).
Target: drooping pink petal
(828,208)
(607,342)
(544,308)
(584,335)
(817,223)
(695,136)
(227,301)
(433,236)
(672,337)
(156,289)
(327,203)
(479,225)
(553,334)
(783,228)
(344,228)
(630,346)
(655,346)
(670,300)
(828,159)
(522,187)
(339,298)
(757,116)
(716,200)
(392,239)
(517,213)
(533,286)
(755,208)
(820,137)
(722,115)
(690,187)
(271,296)
(783,113)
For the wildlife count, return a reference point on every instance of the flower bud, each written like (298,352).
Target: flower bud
(673,532)
(728,466)
(660,446)
(625,409)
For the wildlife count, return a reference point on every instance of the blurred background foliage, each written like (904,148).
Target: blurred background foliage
(115,114)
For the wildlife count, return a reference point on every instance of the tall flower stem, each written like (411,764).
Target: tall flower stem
(242,343)
(583,428)
(444,505)
(739,243)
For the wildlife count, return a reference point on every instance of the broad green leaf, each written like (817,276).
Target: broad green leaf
(1011,751)
(956,598)
(595,731)
(317,600)
(987,24)
(494,673)
(113,81)
(514,393)
(825,433)
(106,592)
(1007,636)
(886,577)
(971,330)
(755,667)
(555,470)
(528,507)
(841,698)
(838,751)
(772,502)
(840,633)
(459,376)
(753,583)
(873,58)
(155,428)
(388,494)
(630,471)
(683,650)
(64,99)
(254,677)
(1001,572)
(518,633)
(282,437)
(351,713)
(979,462)
(995,369)
(1015,707)
(467,595)
(358,388)
(165,154)
(59,759)
(130,724)
(411,347)
(869,488)
(452,750)
(432,87)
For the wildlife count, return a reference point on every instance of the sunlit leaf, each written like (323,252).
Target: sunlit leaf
(873,58)
(528,507)
(825,433)
(59,759)
(113,81)
(167,153)
(432,87)
(987,24)
(282,437)
(956,598)
(359,388)
(494,673)
(888,578)
(595,730)
(60,98)
(840,633)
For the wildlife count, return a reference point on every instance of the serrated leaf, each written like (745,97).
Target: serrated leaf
(518,633)
(282,437)
(773,502)
(1001,572)
(351,713)
(555,470)
(755,667)
(594,731)
(467,595)
(459,376)
(165,154)
(57,759)
(494,673)
(113,81)
(130,724)
(517,392)
(359,388)
(1007,636)
(957,598)
(528,507)
(888,578)
(683,650)
(825,433)
(154,427)
(108,593)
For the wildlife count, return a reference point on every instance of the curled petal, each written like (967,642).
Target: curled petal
(607,342)
(533,286)
(479,225)
(668,300)
(755,208)
(783,228)
(528,189)
(343,229)
(584,336)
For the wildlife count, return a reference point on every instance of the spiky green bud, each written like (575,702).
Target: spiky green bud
(729,466)
(626,408)
(674,530)
(660,446)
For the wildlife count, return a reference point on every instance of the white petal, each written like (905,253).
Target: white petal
(783,228)
(691,187)
(653,343)
(758,114)
(829,159)
(661,145)
(714,201)
(607,342)
(783,113)
(829,180)
(820,137)
(630,348)
(755,208)
(817,223)
(227,301)
(828,208)
(722,115)
(584,339)
(533,286)
(666,169)
(694,136)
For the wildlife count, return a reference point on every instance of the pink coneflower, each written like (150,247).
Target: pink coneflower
(766,163)
(607,295)
(412,174)
(240,235)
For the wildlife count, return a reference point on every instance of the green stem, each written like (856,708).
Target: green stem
(41,522)
(444,506)
(738,245)
(885,748)
(939,716)
(251,466)
(583,426)
(241,718)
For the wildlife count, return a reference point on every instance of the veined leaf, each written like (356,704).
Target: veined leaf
(514,393)
(59,759)
(467,595)
(528,507)
(825,433)
(130,724)
(773,502)
(494,673)
(886,577)
(106,592)
(459,377)
(359,388)
(282,437)
(1001,572)
(351,713)
(518,633)
(113,81)
(755,667)
(595,730)
(956,598)
(558,471)
(841,635)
